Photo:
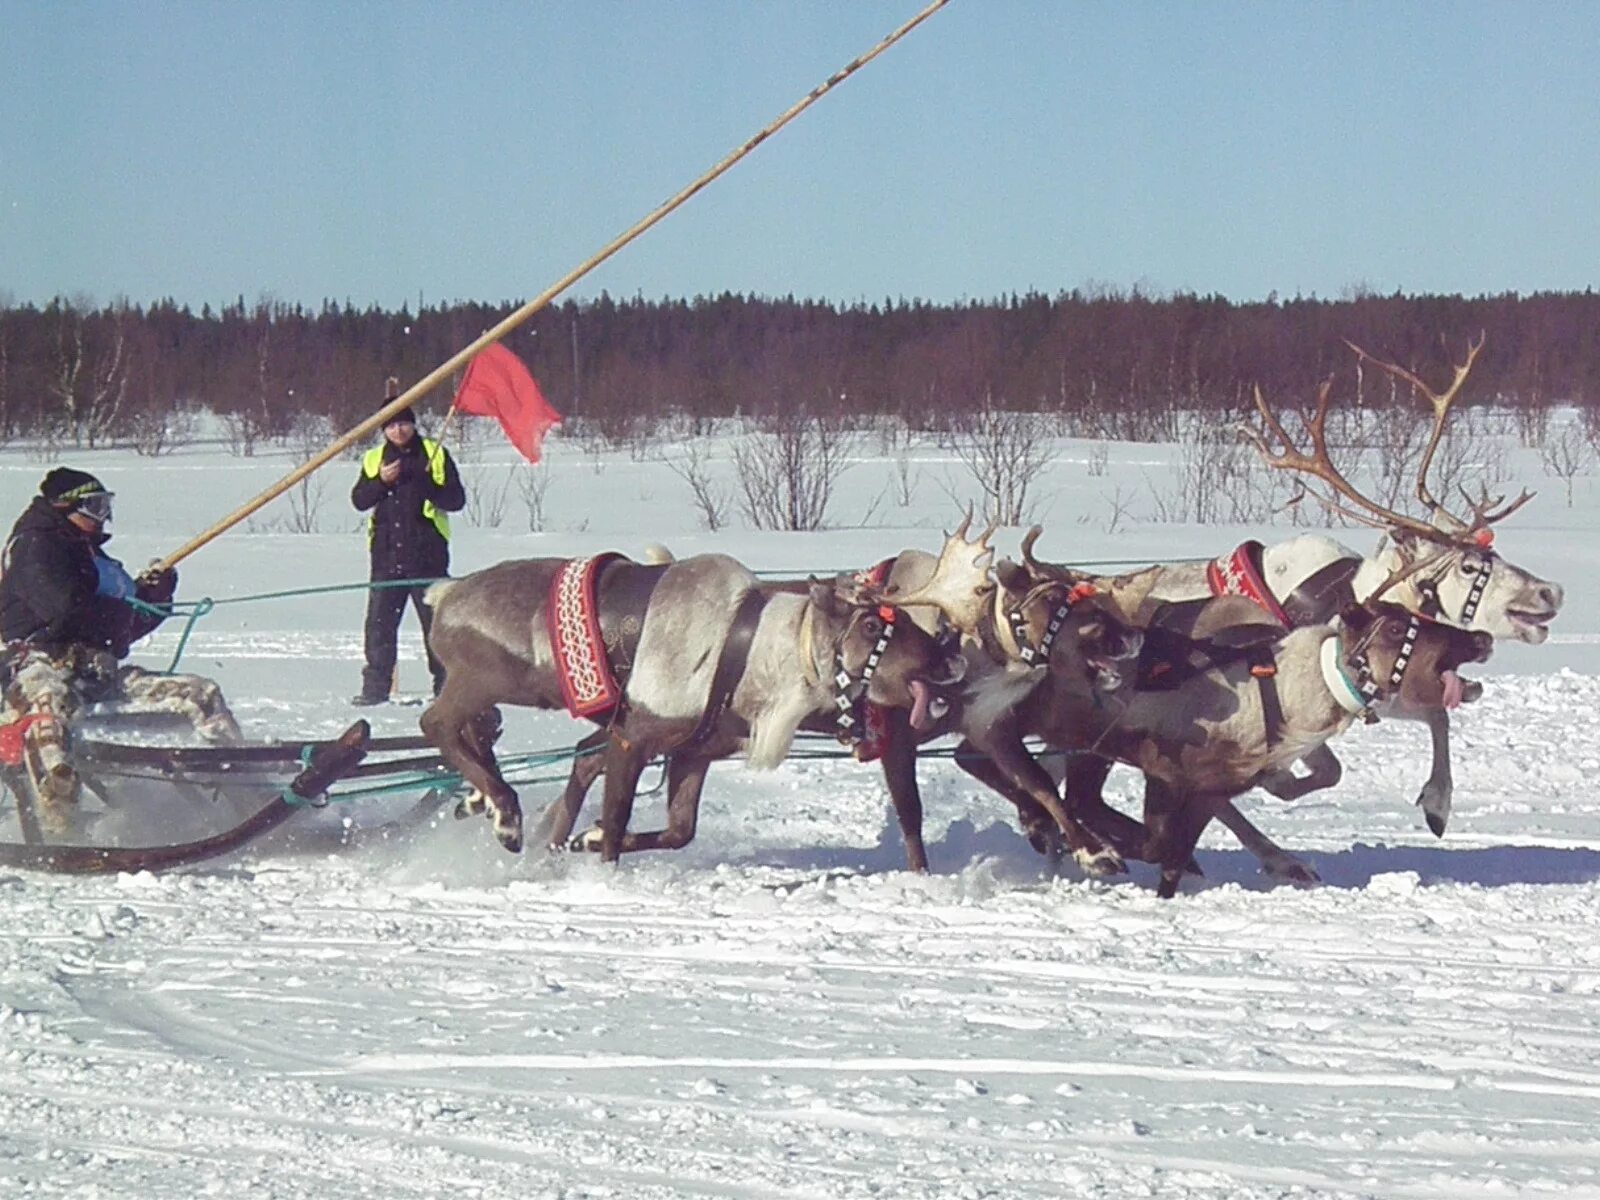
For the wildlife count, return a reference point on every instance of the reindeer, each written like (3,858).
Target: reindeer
(717,662)
(1446,567)
(1220,729)
(1006,641)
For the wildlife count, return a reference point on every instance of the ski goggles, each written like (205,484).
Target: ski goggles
(96,506)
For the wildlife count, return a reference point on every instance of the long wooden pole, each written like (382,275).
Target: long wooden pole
(431,380)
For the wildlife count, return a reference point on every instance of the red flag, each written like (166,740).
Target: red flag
(498,385)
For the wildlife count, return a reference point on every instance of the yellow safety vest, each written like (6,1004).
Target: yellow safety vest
(373,459)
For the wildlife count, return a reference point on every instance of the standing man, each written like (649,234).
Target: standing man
(408,483)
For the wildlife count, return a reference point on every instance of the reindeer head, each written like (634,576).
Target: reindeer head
(1453,573)
(1466,583)
(958,585)
(1411,662)
(880,654)
(1064,625)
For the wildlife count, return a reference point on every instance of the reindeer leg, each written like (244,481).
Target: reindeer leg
(1175,820)
(1037,826)
(448,723)
(1012,757)
(561,816)
(1325,770)
(624,763)
(1275,860)
(686,776)
(900,773)
(1084,789)
(1436,794)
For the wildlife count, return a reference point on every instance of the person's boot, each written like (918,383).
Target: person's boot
(374,689)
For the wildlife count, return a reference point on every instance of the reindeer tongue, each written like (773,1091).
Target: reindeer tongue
(1452,689)
(919,705)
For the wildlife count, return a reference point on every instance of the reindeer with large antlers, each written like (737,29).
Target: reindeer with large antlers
(1444,569)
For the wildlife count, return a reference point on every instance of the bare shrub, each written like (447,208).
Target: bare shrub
(532,485)
(787,474)
(1005,451)
(905,480)
(310,434)
(711,500)
(1216,479)
(1567,455)
(153,433)
(243,432)
(487,499)
(1118,503)
(1099,458)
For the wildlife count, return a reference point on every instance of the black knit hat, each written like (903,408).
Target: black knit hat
(66,487)
(391,391)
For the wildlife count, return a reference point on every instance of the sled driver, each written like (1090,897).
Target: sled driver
(67,624)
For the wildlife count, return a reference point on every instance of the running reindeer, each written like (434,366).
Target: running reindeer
(1006,639)
(689,659)
(1208,729)
(1447,569)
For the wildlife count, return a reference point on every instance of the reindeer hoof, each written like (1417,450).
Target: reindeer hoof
(508,828)
(1435,803)
(1047,841)
(1168,887)
(1100,863)
(586,842)
(1291,870)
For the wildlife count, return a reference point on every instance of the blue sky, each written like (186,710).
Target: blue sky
(378,152)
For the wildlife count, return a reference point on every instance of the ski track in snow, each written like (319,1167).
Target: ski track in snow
(372,1002)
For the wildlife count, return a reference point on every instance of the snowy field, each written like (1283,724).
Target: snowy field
(372,1004)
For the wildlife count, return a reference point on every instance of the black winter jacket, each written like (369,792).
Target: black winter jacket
(405,544)
(47,588)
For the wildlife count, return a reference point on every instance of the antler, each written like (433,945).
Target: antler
(959,581)
(1441,409)
(1041,570)
(1481,509)
(1319,465)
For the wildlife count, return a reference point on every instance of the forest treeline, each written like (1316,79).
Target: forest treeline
(95,374)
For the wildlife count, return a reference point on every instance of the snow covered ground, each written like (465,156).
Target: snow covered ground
(374,1003)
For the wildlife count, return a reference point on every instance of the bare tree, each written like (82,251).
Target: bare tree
(90,376)
(711,499)
(1567,455)
(787,474)
(1005,451)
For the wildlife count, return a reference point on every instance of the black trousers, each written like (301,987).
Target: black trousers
(385,607)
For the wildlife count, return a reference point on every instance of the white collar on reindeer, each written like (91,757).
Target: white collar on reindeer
(1340,686)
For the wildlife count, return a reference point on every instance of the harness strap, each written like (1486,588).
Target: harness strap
(731,665)
(1322,594)
(1264,669)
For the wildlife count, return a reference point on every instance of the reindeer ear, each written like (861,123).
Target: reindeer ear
(824,596)
(1012,576)
(1355,617)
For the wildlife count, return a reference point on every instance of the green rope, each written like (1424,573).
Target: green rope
(193,610)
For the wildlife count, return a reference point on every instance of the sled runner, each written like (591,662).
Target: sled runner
(220,797)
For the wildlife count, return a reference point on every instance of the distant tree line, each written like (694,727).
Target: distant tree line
(90,374)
